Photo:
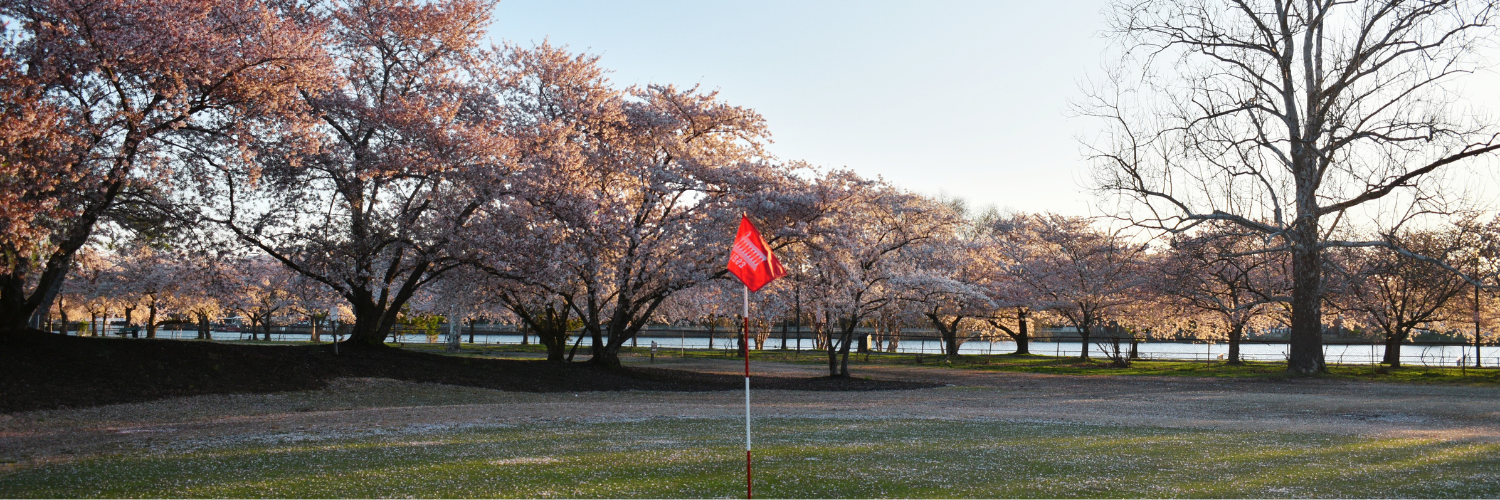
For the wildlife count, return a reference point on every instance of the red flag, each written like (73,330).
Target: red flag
(751,260)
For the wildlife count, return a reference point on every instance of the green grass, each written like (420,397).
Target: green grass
(1075,366)
(529,351)
(805,458)
(1032,363)
(1072,365)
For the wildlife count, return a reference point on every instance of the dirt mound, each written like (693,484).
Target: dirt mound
(39,370)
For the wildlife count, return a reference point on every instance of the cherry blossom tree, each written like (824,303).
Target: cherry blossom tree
(714,305)
(261,292)
(1397,293)
(370,191)
(1228,274)
(997,275)
(637,190)
(1079,272)
(465,297)
(32,138)
(113,91)
(92,286)
(312,300)
(206,286)
(862,256)
(946,282)
(151,279)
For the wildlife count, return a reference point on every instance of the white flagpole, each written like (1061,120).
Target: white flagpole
(745,342)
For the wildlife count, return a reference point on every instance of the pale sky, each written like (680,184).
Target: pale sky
(967,98)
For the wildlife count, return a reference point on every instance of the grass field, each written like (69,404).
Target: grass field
(668,457)
(1071,365)
(1065,365)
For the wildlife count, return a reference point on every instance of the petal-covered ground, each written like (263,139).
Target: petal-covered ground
(980,434)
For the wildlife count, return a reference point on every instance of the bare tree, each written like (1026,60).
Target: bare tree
(1277,116)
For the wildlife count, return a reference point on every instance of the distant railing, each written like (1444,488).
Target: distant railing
(909,342)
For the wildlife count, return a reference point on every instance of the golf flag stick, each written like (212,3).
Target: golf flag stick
(751,261)
(745,341)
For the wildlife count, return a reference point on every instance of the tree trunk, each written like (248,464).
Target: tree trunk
(135,334)
(607,356)
(844,342)
(370,327)
(1083,334)
(552,331)
(948,332)
(607,353)
(1305,344)
(17,307)
(48,294)
(596,348)
(1235,334)
(1393,348)
(833,356)
(1023,334)
(373,320)
(204,328)
(151,320)
(13,310)
(1117,358)
(556,343)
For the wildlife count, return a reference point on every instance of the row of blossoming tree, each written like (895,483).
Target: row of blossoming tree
(882,258)
(206,158)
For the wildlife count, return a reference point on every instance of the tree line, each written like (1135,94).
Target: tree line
(886,260)
(373,157)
